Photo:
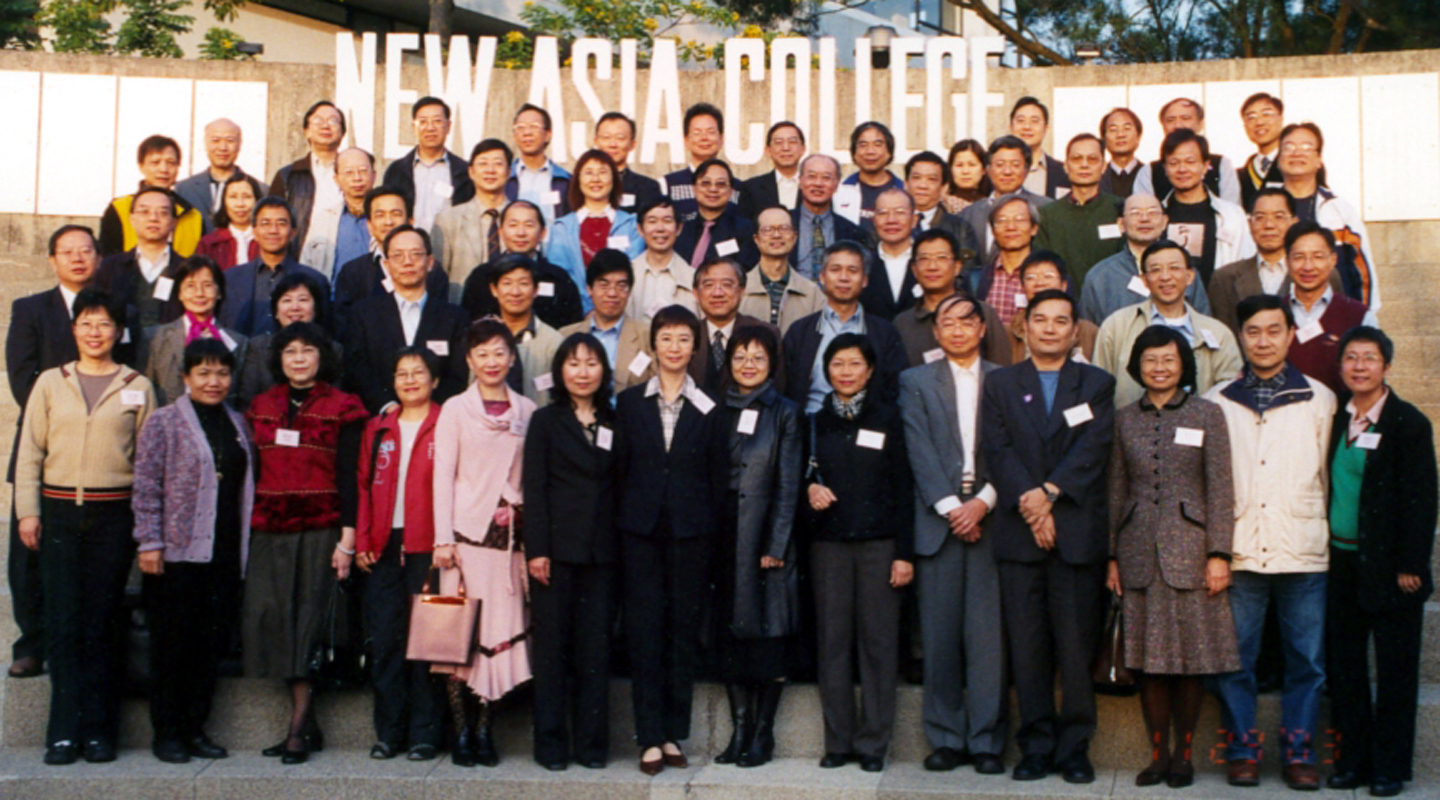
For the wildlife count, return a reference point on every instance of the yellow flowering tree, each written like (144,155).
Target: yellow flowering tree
(643,20)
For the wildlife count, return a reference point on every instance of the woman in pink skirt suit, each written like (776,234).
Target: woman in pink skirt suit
(478,444)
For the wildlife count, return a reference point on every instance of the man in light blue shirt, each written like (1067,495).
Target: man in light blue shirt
(534,176)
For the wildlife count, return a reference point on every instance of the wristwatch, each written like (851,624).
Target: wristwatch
(1050,496)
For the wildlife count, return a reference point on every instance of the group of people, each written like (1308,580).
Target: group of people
(740,418)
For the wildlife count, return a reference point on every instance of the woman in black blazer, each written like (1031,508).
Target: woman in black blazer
(672,470)
(757,604)
(1382,529)
(861,520)
(571,548)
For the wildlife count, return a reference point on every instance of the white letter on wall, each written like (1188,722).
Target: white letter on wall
(781,51)
(395,46)
(981,48)
(355,86)
(663,97)
(580,54)
(825,141)
(736,50)
(862,80)
(545,91)
(465,96)
(628,56)
(936,48)
(901,100)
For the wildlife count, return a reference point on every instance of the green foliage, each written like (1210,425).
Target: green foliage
(151,27)
(79,25)
(515,51)
(645,20)
(224,10)
(219,45)
(19,25)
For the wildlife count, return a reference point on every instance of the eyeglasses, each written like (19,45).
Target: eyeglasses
(714,184)
(771,230)
(1268,113)
(1368,359)
(758,360)
(1298,147)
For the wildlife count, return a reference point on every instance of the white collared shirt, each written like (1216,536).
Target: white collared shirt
(725,333)
(895,267)
(584,213)
(789,188)
(69,298)
(1272,276)
(242,242)
(433,190)
(410,311)
(967,405)
(927,218)
(1125,170)
(153,269)
(1359,423)
(329,200)
(1304,317)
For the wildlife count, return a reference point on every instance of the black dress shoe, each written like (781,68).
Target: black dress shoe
(291,757)
(944,759)
(171,751)
(98,751)
(872,763)
(61,753)
(383,751)
(592,763)
(989,764)
(833,760)
(26,667)
(200,746)
(1078,769)
(1032,768)
(423,752)
(1385,787)
(1345,779)
(558,765)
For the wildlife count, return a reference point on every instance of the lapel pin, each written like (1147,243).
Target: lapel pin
(1028,397)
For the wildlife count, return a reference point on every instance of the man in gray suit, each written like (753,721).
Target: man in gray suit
(959,583)
(202,190)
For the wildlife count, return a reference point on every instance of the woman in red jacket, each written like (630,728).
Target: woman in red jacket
(233,240)
(394,540)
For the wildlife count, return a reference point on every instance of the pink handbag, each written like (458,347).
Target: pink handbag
(442,627)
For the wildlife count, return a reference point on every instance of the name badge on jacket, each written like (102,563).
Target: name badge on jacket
(1078,415)
(874,440)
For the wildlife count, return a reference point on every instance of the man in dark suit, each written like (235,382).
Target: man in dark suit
(142,277)
(1048,425)
(719,287)
(202,190)
(386,208)
(785,146)
(843,279)
(430,174)
(615,136)
(718,230)
(925,183)
(1030,121)
(40,338)
(704,129)
(409,317)
(246,307)
(817,226)
(1264,118)
(557,298)
(891,285)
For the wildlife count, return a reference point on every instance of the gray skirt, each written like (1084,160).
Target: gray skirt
(288,586)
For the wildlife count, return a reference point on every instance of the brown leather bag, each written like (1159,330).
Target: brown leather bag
(1109,670)
(442,627)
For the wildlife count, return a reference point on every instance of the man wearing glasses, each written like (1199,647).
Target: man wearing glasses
(774,291)
(534,176)
(1264,118)
(719,230)
(1116,282)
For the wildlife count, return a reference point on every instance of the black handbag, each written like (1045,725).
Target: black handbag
(1109,672)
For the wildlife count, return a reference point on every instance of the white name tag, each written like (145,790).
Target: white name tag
(1368,441)
(1078,415)
(230,342)
(550,198)
(639,364)
(727,248)
(1211,340)
(125,336)
(1138,286)
(444,189)
(439,347)
(544,382)
(748,418)
(702,403)
(164,287)
(387,284)
(627,199)
(917,291)
(664,186)
(1021,300)
(1108,231)
(604,438)
(618,242)
(132,397)
(287,438)
(1190,437)
(875,440)
(1309,332)
(545,289)
(931,356)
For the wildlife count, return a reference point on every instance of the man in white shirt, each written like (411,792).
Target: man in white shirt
(784,146)
(892,287)
(1045,175)
(1271,215)
(533,176)
(662,277)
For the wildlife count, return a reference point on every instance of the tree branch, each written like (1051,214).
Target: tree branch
(1031,48)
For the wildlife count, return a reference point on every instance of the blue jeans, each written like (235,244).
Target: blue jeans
(1300,600)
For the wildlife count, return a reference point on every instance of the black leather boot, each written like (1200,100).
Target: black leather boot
(462,750)
(742,721)
(485,753)
(762,747)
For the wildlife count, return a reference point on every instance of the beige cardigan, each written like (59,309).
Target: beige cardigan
(63,445)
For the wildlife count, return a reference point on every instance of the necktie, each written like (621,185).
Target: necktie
(1264,166)
(701,246)
(717,351)
(817,245)
(492,235)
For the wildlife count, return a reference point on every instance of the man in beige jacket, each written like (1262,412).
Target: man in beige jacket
(773,291)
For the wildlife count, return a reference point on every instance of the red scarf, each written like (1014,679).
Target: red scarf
(200,329)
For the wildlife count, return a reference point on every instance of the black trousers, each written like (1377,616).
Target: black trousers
(85,555)
(1052,613)
(1376,737)
(26,596)
(191,610)
(570,658)
(666,583)
(409,700)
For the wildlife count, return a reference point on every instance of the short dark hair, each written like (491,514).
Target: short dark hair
(1008,142)
(156,144)
(93,298)
(744,337)
(845,341)
(545,115)
(385,190)
(873,125)
(487,329)
(1199,109)
(1044,257)
(709,264)
(206,351)
(662,201)
(425,354)
(607,262)
(291,281)
(429,101)
(1161,245)
(674,317)
(1158,336)
(1105,120)
(560,394)
(487,145)
(1367,333)
(166,193)
(1255,303)
(576,196)
(319,104)
(505,212)
(784,123)
(1289,130)
(703,110)
(611,116)
(1262,97)
(976,149)
(272,201)
(1084,137)
(1276,191)
(1027,100)
(221,217)
(926,157)
(1050,294)
(307,333)
(709,163)
(1308,227)
(1182,136)
(71,228)
(407,228)
(936,234)
(960,296)
(193,264)
(510,262)
(846,246)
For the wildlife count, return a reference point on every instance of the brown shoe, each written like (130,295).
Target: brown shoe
(678,760)
(1303,777)
(1244,773)
(652,768)
(26,667)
